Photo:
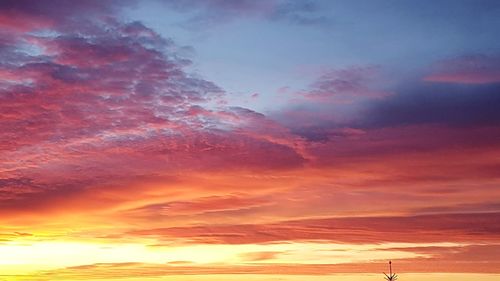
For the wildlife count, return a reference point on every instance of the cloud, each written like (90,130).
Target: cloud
(203,205)
(467,253)
(332,100)
(300,12)
(345,85)
(453,105)
(470,69)
(91,93)
(125,270)
(12,236)
(460,228)
(260,256)
(215,12)
(22,15)
(462,207)
(356,100)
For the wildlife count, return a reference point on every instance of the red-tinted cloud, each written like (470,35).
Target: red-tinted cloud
(111,94)
(357,230)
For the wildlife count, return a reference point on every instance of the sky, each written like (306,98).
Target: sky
(224,140)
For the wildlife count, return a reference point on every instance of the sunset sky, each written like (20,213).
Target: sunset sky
(249,140)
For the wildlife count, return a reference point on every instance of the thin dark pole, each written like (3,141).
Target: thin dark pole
(391,276)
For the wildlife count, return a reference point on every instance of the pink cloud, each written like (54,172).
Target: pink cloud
(472,69)
(114,95)
(356,230)
(15,21)
(345,85)
(203,205)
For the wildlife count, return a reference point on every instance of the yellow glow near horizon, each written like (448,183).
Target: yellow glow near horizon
(267,277)
(24,257)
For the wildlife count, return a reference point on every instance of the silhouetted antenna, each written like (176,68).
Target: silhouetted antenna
(391,276)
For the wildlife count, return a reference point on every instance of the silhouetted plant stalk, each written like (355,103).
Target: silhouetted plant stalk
(391,276)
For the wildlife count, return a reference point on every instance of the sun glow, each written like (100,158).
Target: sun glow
(23,257)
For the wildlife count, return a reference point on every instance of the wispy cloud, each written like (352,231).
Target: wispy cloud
(470,69)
